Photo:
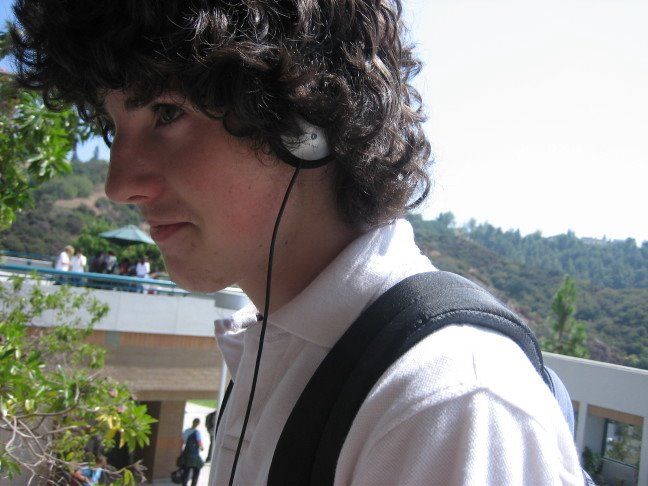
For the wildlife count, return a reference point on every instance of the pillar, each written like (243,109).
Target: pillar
(166,442)
(643,458)
(581,427)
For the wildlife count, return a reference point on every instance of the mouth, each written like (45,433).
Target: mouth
(163,232)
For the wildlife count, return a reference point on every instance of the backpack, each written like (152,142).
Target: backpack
(313,436)
(191,448)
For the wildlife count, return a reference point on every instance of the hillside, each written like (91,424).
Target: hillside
(525,272)
(616,318)
(63,207)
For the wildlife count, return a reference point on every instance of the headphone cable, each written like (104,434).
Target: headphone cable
(263,324)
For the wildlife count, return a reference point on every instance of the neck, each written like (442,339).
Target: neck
(310,236)
(294,270)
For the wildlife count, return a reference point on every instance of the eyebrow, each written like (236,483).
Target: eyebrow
(169,97)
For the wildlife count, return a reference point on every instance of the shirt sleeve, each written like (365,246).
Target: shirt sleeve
(96,475)
(473,439)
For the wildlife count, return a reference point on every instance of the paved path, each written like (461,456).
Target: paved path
(193,411)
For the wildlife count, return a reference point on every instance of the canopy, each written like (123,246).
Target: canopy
(127,235)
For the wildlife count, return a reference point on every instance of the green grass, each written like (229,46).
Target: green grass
(205,403)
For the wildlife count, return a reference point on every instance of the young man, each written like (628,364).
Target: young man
(203,101)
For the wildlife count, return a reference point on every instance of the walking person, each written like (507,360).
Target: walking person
(190,460)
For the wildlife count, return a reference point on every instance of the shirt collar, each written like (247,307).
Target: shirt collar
(325,309)
(363,271)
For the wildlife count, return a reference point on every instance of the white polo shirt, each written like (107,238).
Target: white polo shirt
(464,406)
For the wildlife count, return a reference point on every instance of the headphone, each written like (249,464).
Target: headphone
(307,151)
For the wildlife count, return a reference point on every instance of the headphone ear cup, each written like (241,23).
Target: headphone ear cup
(311,146)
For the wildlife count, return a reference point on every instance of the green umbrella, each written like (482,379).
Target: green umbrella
(127,235)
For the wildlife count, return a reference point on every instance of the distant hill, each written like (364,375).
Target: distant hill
(612,276)
(63,206)
(527,271)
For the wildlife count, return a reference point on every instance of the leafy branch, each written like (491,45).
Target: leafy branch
(53,396)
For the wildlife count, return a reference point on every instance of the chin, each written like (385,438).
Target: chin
(196,281)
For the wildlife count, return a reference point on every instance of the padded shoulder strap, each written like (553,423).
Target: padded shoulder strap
(313,436)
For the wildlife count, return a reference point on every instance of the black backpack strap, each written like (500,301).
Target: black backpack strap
(310,443)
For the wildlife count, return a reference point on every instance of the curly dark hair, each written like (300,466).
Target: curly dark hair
(339,64)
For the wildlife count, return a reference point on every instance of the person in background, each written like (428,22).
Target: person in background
(142,270)
(78,261)
(98,262)
(111,262)
(190,459)
(94,447)
(64,259)
(143,267)
(210,422)
(77,264)
(125,267)
(63,264)
(89,476)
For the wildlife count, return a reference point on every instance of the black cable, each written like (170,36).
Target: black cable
(264,323)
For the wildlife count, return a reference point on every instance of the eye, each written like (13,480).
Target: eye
(166,114)
(107,130)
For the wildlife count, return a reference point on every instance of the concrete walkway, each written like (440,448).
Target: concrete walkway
(193,411)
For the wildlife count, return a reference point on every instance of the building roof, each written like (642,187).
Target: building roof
(158,383)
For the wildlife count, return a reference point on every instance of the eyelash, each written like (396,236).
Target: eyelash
(108,129)
(159,110)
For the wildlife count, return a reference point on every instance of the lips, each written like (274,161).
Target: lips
(162,232)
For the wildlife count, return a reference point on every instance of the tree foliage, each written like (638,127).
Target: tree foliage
(615,264)
(569,336)
(616,318)
(53,397)
(34,142)
(625,446)
(49,226)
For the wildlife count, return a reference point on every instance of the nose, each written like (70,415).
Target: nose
(133,178)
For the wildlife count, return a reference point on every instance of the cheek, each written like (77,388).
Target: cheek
(233,190)
(251,210)
(236,202)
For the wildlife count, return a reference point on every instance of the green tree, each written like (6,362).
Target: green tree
(53,398)
(89,240)
(568,334)
(91,243)
(626,444)
(34,142)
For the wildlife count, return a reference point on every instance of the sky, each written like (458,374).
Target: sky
(537,112)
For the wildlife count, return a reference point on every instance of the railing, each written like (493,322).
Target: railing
(619,472)
(27,256)
(29,259)
(93,280)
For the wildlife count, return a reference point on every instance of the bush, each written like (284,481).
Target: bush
(52,398)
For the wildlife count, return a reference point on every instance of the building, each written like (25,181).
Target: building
(162,345)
